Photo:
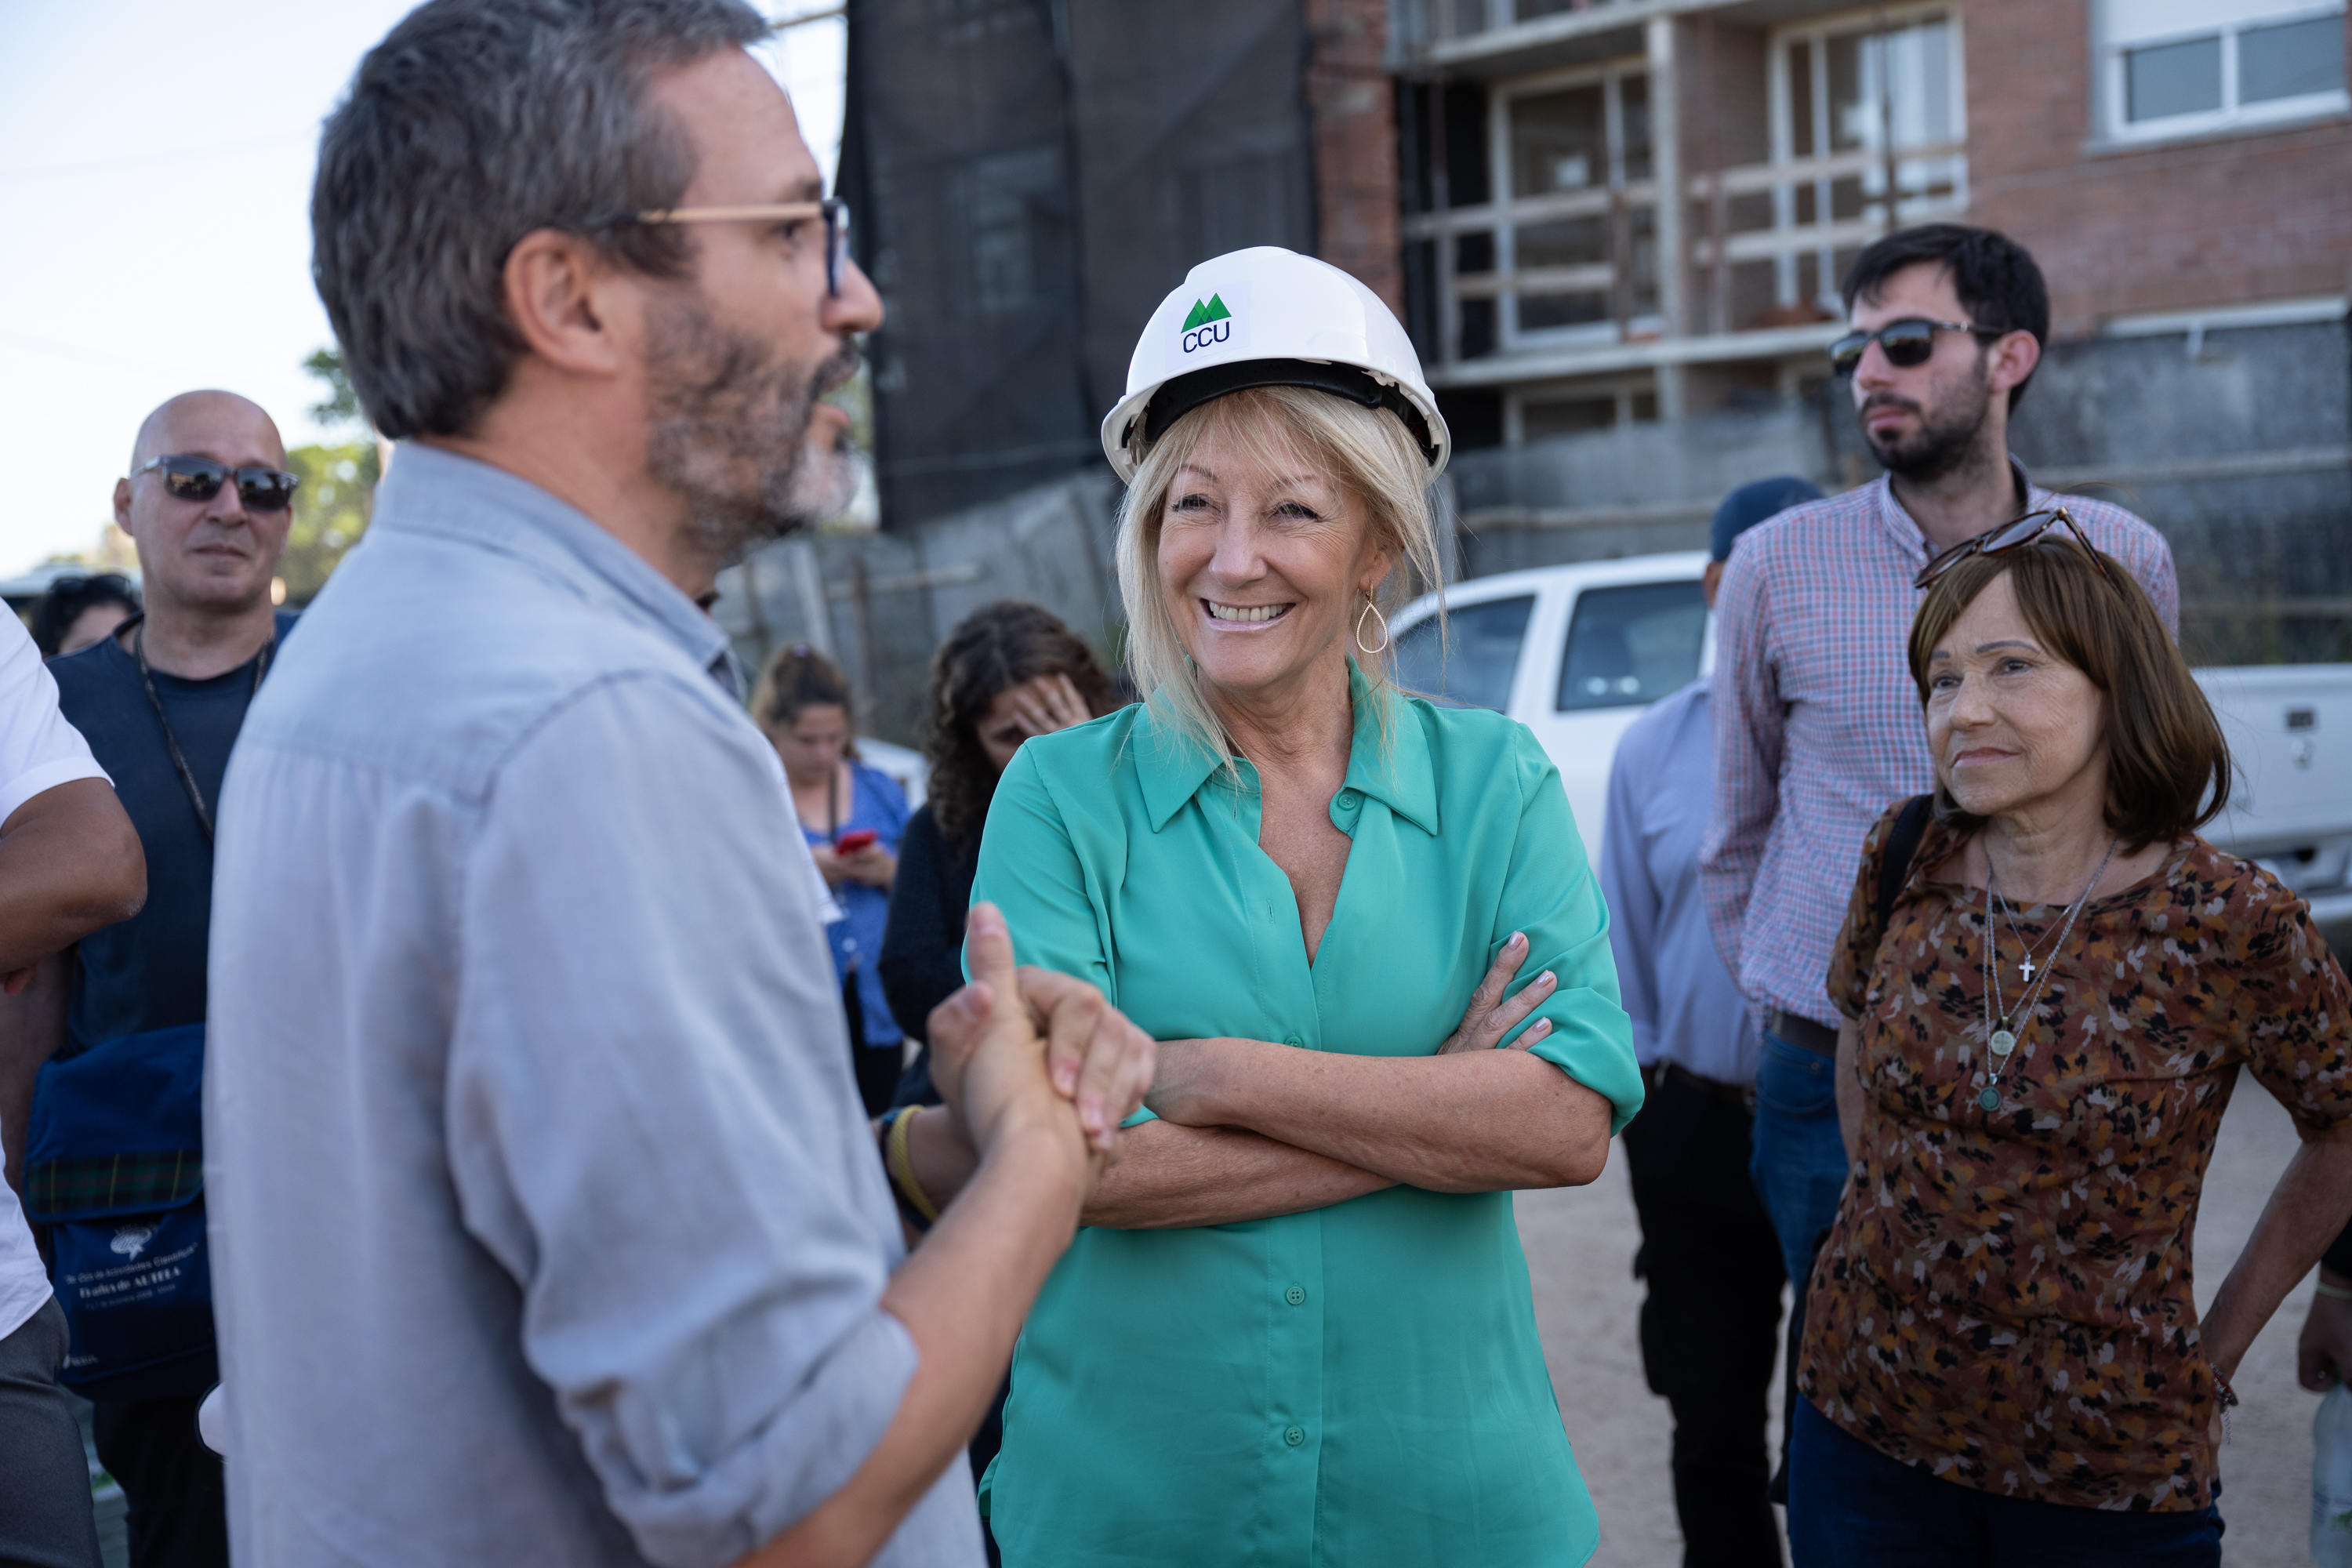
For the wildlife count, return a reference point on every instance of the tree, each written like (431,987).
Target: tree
(330,512)
(342,404)
(338,493)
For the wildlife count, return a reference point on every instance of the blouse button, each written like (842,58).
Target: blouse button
(1294,1436)
(1348,800)
(1293,1041)
(1296,1296)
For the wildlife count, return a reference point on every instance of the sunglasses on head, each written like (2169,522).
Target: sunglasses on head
(2010,536)
(1906,344)
(190,478)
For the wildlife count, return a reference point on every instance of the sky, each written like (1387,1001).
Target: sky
(155,163)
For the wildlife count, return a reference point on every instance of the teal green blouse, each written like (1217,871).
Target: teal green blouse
(1361,1385)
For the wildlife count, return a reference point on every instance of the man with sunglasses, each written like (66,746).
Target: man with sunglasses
(1817,722)
(206,501)
(549,1227)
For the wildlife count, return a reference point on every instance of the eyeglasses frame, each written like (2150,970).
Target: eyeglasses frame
(294,481)
(833,209)
(2052,517)
(1877,334)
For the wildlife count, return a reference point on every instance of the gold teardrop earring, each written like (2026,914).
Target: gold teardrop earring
(1372,610)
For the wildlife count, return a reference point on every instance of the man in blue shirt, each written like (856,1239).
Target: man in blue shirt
(547,1226)
(1709,1321)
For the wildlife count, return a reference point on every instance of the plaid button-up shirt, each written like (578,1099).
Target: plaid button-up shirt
(1817,722)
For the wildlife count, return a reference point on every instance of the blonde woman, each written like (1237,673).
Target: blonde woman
(1296,1327)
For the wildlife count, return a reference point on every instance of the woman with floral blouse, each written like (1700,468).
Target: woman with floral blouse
(2004,1360)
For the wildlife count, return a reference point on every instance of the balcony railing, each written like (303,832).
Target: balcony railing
(1767,242)
(1437,21)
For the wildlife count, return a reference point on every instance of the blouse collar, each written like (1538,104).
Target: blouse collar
(1172,766)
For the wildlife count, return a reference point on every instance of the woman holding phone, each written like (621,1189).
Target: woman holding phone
(853,818)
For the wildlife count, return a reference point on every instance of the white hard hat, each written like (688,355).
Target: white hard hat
(1269,317)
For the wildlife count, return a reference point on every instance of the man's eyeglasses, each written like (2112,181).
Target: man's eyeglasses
(833,209)
(1907,342)
(190,478)
(2012,536)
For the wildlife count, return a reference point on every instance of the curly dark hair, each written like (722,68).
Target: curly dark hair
(997,646)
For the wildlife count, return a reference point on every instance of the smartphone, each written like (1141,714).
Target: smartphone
(850,843)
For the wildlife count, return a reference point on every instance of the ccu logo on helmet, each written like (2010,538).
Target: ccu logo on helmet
(1209,323)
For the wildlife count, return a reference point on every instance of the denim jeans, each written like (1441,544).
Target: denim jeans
(1799,1164)
(1849,1506)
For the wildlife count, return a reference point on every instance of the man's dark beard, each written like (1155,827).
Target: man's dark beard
(729,432)
(1948,436)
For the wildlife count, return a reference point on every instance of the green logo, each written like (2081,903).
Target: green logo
(1214,310)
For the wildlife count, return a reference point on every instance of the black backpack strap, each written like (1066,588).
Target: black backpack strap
(1894,860)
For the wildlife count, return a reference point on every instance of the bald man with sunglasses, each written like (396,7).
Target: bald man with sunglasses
(208,502)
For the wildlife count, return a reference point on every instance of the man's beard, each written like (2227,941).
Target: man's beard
(730,431)
(1949,437)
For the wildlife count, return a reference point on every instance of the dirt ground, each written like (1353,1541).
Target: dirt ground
(1579,1248)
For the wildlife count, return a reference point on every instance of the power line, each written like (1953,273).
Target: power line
(97,357)
(141,160)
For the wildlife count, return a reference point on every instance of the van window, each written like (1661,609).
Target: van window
(1631,645)
(1481,655)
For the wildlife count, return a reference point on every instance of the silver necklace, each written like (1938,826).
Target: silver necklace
(2002,1026)
(2026,965)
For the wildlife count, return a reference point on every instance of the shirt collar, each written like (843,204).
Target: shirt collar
(1907,531)
(433,491)
(1172,766)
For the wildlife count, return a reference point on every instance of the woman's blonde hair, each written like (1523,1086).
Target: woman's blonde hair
(1366,451)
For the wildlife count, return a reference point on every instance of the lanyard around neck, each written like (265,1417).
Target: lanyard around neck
(170,739)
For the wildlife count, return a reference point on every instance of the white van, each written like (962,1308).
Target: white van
(1576,652)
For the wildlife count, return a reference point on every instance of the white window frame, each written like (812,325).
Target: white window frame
(1872,221)
(1511,210)
(2114,95)
(1503,213)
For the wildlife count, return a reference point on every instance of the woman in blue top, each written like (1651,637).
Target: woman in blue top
(1296,1327)
(853,818)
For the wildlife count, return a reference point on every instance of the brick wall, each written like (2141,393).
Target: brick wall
(1353,101)
(2228,220)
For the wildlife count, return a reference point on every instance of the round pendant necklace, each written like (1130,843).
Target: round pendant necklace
(2001,1026)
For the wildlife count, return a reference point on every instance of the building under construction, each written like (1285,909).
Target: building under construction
(1615,229)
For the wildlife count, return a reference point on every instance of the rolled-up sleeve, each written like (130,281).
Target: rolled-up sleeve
(652,1129)
(1550,893)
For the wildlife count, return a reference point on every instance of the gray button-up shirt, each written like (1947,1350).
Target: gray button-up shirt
(1682,1002)
(546,1226)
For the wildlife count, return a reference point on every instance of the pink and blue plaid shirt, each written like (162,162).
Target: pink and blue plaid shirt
(1817,723)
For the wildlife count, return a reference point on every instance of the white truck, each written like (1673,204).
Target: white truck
(1576,652)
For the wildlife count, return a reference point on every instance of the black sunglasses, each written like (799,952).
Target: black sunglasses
(2026,531)
(190,478)
(1906,344)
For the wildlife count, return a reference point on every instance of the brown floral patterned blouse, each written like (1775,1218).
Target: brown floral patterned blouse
(2005,1298)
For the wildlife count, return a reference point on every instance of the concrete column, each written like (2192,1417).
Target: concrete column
(1667,169)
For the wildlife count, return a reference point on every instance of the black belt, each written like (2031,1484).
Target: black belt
(1800,1030)
(1740,1095)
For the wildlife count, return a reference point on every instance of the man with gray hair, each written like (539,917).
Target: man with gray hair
(547,1226)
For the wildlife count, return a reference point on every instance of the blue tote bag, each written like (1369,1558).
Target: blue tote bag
(114,1177)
